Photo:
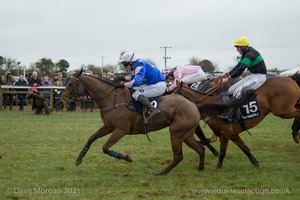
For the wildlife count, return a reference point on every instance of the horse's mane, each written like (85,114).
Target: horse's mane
(216,109)
(105,80)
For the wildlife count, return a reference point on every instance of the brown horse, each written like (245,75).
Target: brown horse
(177,112)
(278,96)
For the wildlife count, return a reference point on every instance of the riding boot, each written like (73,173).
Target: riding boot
(143,100)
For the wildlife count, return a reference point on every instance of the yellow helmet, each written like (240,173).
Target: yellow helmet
(241,42)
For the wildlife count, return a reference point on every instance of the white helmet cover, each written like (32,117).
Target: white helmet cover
(127,57)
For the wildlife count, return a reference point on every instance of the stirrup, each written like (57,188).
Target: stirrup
(153,113)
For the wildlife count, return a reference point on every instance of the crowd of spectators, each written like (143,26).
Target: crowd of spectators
(39,98)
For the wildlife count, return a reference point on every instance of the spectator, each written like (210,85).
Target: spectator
(55,79)
(66,80)
(46,82)
(34,79)
(57,92)
(21,97)
(39,102)
(110,76)
(93,74)
(87,101)
(60,78)
(7,79)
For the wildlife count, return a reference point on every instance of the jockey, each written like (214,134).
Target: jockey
(146,80)
(185,73)
(253,61)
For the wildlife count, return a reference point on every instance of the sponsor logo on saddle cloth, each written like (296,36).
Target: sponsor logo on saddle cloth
(250,110)
(135,106)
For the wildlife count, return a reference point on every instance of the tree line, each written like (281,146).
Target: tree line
(46,67)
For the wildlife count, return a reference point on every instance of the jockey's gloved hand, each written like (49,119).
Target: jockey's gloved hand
(119,85)
(120,78)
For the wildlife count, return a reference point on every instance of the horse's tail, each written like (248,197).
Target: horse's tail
(296,78)
(215,109)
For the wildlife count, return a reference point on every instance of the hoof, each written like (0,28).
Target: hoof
(128,158)
(216,153)
(78,162)
(296,139)
(219,166)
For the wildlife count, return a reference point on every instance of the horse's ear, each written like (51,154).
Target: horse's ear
(79,73)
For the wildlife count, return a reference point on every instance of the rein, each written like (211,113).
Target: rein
(214,88)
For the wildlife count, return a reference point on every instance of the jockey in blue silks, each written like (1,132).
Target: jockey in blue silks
(146,79)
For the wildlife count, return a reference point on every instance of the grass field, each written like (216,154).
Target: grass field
(37,161)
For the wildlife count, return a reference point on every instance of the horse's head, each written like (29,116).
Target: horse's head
(74,88)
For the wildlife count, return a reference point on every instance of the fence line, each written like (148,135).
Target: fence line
(51,91)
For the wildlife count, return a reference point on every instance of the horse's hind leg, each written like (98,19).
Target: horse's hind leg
(204,141)
(240,143)
(100,133)
(177,155)
(199,148)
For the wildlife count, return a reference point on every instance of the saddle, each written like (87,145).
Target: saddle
(135,106)
(248,111)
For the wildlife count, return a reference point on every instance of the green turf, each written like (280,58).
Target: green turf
(37,161)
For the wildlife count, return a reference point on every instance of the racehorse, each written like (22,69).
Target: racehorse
(181,115)
(277,95)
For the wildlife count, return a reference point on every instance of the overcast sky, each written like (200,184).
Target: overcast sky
(85,31)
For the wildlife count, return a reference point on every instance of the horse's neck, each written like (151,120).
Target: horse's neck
(99,90)
(102,93)
(200,98)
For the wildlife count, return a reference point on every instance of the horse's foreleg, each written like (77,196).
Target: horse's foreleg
(113,139)
(204,141)
(295,129)
(100,133)
(240,143)
(223,147)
